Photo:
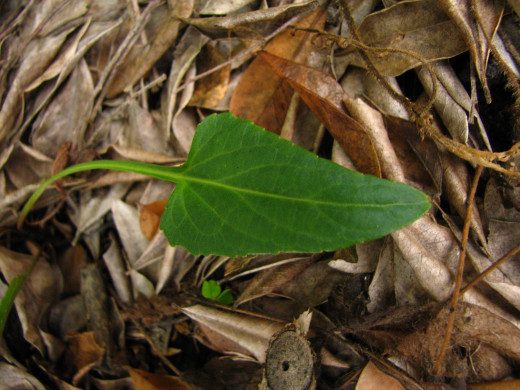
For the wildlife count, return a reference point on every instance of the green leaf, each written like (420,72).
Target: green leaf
(246,191)
(225,297)
(210,289)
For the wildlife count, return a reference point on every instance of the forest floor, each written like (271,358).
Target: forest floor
(420,92)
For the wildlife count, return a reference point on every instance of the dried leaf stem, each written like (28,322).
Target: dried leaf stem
(460,270)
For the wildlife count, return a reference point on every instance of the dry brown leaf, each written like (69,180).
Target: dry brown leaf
(372,378)
(324,96)
(210,90)
(261,95)
(143,380)
(272,280)
(150,217)
(473,325)
(416,27)
(84,348)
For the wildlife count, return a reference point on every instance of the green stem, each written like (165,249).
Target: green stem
(159,172)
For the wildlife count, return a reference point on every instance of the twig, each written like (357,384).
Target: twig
(490,269)
(460,271)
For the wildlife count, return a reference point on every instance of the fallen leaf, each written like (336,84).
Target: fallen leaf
(84,348)
(251,334)
(372,378)
(143,380)
(416,28)
(210,90)
(324,96)
(150,217)
(141,58)
(267,106)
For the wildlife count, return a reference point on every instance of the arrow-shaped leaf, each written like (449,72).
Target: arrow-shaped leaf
(245,191)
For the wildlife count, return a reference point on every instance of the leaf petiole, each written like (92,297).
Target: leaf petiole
(156,171)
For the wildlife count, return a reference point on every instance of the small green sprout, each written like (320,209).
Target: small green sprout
(212,290)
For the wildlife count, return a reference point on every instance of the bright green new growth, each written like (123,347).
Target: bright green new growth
(212,290)
(244,191)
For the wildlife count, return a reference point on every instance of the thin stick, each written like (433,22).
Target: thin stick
(490,269)
(458,281)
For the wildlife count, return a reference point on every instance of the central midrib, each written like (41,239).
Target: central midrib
(214,183)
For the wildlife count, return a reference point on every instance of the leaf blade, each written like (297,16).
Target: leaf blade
(246,191)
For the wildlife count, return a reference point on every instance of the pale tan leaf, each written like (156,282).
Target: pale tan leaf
(372,122)
(16,378)
(220,25)
(248,332)
(453,116)
(92,209)
(126,219)
(219,7)
(118,271)
(431,251)
(372,378)
(186,51)
(141,284)
(64,58)
(490,13)
(36,166)
(456,183)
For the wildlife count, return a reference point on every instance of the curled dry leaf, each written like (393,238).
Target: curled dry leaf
(251,334)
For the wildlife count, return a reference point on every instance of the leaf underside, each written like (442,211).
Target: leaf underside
(244,191)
